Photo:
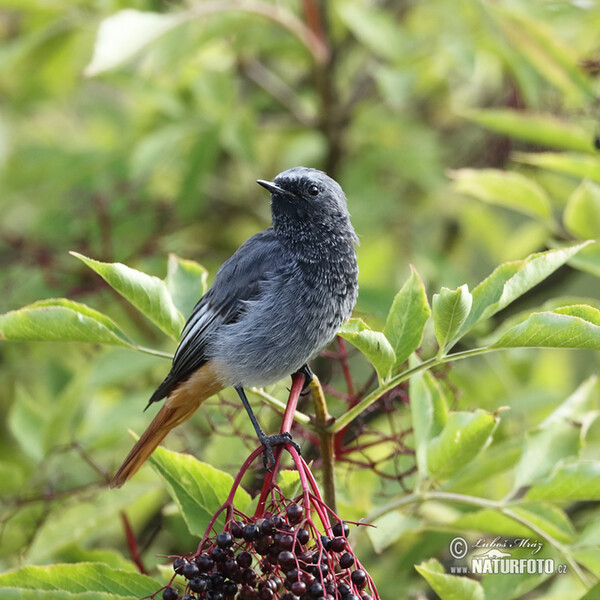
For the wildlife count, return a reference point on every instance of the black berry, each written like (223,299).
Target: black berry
(286,560)
(303,536)
(337,544)
(244,559)
(199,585)
(294,513)
(341,529)
(298,588)
(251,532)
(190,570)
(230,589)
(346,560)
(178,564)
(205,562)
(224,540)
(315,590)
(343,590)
(237,529)
(359,578)
(170,594)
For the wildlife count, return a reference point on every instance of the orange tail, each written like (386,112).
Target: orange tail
(181,404)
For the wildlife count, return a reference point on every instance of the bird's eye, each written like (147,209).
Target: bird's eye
(313,190)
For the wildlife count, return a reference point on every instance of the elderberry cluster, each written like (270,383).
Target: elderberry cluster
(280,556)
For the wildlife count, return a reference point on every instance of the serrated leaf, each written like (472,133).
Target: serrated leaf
(573,481)
(429,414)
(582,213)
(463,436)
(542,129)
(407,318)
(186,282)
(504,188)
(122,35)
(147,293)
(61,320)
(197,488)
(566,327)
(511,280)
(373,344)
(450,310)
(81,579)
(449,587)
(583,166)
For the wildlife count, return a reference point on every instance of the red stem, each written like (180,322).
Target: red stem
(132,544)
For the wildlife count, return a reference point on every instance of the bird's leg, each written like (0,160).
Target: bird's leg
(308,377)
(268,441)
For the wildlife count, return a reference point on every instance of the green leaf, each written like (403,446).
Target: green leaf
(588,260)
(566,327)
(504,188)
(450,310)
(197,488)
(541,47)
(429,414)
(462,438)
(389,528)
(373,344)
(556,438)
(572,481)
(60,320)
(582,213)
(511,280)
(407,318)
(147,293)
(449,587)
(373,28)
(592,594)
(583,166)
(80,579)
(542,129)
(122,35)
(549,518)
(186,283)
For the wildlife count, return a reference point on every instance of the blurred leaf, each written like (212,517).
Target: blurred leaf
(60,320)
(27,423)
(373,344)
(429,414)
(513,279)
(583,166)
(450,310)
(373,27)
(504,188)
(81,578)
(582,213)
(556,438)
(574,481)
(567,327)
(542,129)
(462,438)
(147,293)
(549,518)
(588,260)
(407,317)
(197,488)
(449,587)
(186,283)
(389,528)
(592,594)
(77,520)
(543,49)
(124,34)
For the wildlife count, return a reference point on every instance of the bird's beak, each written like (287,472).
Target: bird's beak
(272,187)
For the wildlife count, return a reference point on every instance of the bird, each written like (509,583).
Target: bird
(272,307)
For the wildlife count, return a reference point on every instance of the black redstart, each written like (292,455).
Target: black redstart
(273,306)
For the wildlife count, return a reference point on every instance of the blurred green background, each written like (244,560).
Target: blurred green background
(158,153)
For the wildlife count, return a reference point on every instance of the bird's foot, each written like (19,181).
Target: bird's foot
(308,377)
(268,441)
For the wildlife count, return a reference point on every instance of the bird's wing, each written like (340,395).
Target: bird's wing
(238,280)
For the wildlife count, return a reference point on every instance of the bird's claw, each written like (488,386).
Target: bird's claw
(268,441)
